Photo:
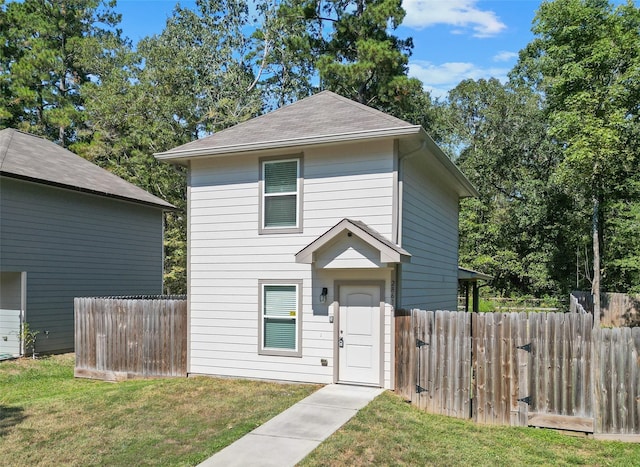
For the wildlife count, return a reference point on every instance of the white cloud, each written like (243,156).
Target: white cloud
(439,79)
(459,13)
(504,56)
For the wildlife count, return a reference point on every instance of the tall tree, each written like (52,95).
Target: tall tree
(360,59)
(344,46)
(192,79)
(50,48)
(513,229)
(586,60)
(127,121)
(283,52)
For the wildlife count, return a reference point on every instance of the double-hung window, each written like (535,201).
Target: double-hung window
(281,195)
(280,320)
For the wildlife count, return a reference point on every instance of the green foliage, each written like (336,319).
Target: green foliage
(283,52)
(586,60)
(621,233)
(49,49)
(361,60)
(514,228)
(192,79)
(28,339)
(347,46)
(551,147)
(563,132)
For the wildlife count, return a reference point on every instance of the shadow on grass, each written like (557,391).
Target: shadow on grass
(10,416)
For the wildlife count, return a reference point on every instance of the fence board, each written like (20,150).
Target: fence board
(120,338)
(523,356)
(405,363)
(439,367)
(556,375)
(619,381)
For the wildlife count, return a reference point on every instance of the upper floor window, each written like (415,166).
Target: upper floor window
(281,196)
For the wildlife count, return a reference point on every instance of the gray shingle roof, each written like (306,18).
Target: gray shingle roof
(30,157)
(325,115)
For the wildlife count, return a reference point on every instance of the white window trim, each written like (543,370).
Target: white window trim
(280,352)
(299,184)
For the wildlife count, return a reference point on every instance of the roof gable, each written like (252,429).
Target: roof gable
(388,251)
(323,117)
(32,158)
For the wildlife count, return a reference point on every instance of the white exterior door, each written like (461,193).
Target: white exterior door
(359,335)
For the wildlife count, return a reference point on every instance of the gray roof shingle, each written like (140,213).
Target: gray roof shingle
(325,114)
(30,157)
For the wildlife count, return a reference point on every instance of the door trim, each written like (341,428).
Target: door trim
(336,324)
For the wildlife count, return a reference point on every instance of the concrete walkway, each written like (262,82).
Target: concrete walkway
(287,438)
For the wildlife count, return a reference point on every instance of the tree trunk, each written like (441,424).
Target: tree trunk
(595,285)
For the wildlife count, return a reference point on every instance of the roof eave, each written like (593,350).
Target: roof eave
(183,155)
(470,274)
(165,206)
(467,188)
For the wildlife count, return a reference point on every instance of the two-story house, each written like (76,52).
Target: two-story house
(68,228)
(307,227)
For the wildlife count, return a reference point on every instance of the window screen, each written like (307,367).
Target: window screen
(280,314)
(281,193)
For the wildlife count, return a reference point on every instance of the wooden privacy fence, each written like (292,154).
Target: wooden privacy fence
(616,309)
(549,370)
(119,338)
(618,377)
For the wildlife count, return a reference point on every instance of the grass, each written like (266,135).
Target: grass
(49,418)
(391,432)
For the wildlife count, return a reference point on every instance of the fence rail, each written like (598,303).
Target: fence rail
(123,338)
(551,370)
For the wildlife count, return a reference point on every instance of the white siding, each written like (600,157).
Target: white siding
(75,244)
(348,253)
(228,257)
(430,234)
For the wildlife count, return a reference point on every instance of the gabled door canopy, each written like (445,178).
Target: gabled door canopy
(389,252)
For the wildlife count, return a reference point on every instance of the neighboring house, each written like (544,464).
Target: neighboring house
(307,227)
(68,228)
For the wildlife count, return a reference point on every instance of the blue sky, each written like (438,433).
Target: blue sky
(453,39)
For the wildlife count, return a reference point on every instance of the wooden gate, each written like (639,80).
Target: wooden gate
(500,363)
(513,369)
(533,370)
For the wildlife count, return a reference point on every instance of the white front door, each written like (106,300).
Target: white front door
(359,335)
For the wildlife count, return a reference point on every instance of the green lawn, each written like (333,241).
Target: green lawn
(389,431)
(49,418)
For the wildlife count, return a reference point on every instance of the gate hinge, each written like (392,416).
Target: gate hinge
(526,400)
(420,343)
(526,347)
(420,389)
